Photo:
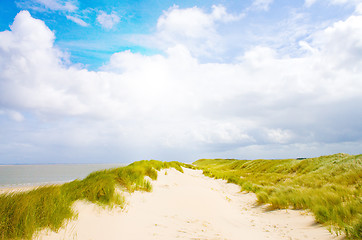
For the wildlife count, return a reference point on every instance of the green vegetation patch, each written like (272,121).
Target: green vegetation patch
(22,214)
(329,186)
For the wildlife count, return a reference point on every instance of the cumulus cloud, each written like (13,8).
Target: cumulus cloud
(191,23)
(192,27)
(342,35)
(28,47)
(172,106)
(108,21)
(77,21)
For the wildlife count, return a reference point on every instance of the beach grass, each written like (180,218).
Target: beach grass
(329,186)
(22,214)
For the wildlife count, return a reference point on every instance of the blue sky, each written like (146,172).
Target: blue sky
(119,81)
(91,43)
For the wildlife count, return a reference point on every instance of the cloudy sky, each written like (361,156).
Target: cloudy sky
(119,81)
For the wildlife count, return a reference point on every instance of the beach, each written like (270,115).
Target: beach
(189,206)
(18,189)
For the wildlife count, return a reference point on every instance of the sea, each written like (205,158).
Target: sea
(33,175)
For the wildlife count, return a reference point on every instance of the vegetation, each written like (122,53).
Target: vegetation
(330,186)
(22,214)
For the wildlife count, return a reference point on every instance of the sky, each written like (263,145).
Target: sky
(120,81)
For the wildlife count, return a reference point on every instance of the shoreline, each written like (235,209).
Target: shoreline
(12,176)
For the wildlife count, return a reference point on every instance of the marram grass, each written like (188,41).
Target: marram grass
(22,214)
(329,186)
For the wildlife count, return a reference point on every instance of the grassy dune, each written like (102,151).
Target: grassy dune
(330,186)
(22,214)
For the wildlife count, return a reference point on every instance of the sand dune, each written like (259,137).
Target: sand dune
(189,206)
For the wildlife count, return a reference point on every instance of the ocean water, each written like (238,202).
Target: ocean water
(28,175)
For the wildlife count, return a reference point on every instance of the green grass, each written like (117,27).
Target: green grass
(329,186)
(22,214)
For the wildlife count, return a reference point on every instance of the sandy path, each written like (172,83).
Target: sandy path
(189,206)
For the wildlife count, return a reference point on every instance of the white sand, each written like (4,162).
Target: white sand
(189,206)
(16,189)
(19,189)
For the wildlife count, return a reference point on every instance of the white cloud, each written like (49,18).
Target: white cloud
(306,46)
(190,22)
(309,3)
(57,5)
(219,14)
(279,135)
(342,35)
(28,47)
(359,9)
(148,106)
(14,115)
(77,21)
(261,4)
(344,1)
(193,28)
(108,21)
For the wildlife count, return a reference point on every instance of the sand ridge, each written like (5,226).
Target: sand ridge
(189,206)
